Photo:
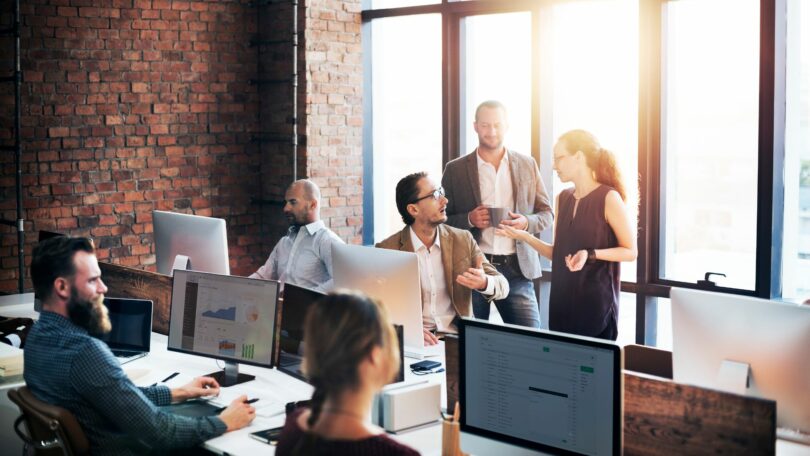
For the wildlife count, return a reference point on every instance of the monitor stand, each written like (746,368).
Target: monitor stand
(734,376)
(181,262)
(230,375)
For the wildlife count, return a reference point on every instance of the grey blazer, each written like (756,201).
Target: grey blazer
(460,182)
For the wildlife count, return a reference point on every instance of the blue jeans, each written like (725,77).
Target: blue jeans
(519,307)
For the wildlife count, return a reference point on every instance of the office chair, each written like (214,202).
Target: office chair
(51,430)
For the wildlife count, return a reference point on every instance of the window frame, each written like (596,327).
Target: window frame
(771,141)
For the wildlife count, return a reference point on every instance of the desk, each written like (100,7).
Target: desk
(160,363)
(17,306)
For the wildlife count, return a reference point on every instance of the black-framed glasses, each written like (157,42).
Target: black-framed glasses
(436,194)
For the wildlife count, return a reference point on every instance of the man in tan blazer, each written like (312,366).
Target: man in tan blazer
(444,253)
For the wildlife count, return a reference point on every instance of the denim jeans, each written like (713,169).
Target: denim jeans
(519,307)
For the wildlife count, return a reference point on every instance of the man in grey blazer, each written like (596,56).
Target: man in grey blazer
(494,177)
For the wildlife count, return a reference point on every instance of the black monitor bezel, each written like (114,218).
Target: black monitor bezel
(283,303)
(544,335)
(169,347)
(147,331)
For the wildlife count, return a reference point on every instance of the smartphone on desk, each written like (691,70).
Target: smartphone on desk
(268,436)
(425,365)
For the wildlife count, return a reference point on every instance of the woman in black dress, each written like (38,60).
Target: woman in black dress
(592,234)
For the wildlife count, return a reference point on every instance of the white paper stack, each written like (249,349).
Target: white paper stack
(11,360)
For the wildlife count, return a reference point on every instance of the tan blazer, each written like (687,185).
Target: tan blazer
(459,251)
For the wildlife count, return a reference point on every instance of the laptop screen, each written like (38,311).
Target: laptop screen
(294,307)
(542,390)
(131,321)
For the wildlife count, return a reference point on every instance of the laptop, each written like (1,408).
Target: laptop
(131,332)
(295,304)
(530,391)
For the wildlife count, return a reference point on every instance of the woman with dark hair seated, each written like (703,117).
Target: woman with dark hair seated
(351,352)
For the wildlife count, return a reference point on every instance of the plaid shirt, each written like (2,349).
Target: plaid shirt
(65,366)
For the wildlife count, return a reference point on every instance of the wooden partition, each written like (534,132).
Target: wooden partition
(648,360)
(125,282)
(665,417)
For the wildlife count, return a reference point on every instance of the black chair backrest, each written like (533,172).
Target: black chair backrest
(52,430)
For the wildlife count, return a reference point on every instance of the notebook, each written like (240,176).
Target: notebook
(131,332)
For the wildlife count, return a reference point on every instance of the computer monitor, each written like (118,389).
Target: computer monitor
(390,276)
(528,389)
(225,317)
(295,304)
(744,345)
(184,241)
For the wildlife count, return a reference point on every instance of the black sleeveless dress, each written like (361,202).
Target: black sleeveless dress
(585,302)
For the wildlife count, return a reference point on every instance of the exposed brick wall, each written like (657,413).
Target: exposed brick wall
(329,110)
(130,106)
(275,116)
(136,105)
(334,111)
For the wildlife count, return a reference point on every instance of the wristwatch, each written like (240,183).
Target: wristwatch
(591,256)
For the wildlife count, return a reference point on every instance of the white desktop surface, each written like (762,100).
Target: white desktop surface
(160,363)
(18,305)
(12,306)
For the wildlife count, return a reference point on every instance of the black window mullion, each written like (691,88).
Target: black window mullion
(770,184)
(451,87)
(649,151)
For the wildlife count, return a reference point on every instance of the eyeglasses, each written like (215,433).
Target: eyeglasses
(436,194)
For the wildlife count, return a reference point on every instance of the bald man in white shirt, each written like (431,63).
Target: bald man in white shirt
(303,256)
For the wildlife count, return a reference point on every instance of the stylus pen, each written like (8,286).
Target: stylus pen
(166,379)
(170,377)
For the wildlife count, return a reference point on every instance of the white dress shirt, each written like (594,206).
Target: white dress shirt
(437,308)
(496,191)
(303,257)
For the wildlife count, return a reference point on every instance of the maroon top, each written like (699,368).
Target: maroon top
(381,444)
(587,301)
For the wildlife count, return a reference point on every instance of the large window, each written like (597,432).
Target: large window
(710,139)
(595,84)
(407,109)
(684,92)
(796,246)
(497,62)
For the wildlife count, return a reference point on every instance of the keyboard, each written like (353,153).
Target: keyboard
(794,435)
(425,351)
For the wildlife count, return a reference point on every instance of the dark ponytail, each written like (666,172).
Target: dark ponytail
(316,405)
(307,444)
